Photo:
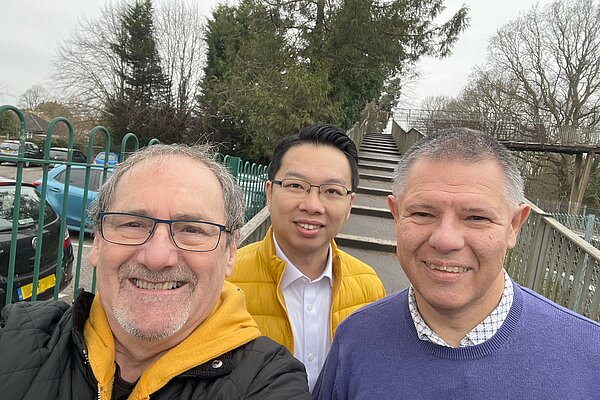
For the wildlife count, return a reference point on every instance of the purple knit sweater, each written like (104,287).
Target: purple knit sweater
(541,351)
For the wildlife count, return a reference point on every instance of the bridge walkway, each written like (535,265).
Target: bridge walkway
(369,233)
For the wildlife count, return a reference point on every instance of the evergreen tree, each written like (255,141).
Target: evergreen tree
(9,124)
(275,66)
(144,101)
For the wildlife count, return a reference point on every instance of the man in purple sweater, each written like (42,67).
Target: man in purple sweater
(464,329)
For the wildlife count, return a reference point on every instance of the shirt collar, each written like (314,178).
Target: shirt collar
(482,332)
(292,273)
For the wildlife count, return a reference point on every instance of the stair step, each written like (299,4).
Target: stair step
(372,190)
(379,149)
(372,143)
(379,159)
(383,145)
(367,243)
(370,153)
(385,264)
(381,167)
(378,136)
(375,177)
(389,174)
(371,200)
(378,140)
(376,184)
(371,211)
(372,227)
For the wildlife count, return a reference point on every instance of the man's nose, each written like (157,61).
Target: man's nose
(447,235)
(160,250)
(312,202)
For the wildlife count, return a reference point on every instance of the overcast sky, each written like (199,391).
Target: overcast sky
(30,31)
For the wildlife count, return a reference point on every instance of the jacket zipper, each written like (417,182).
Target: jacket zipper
(86,360)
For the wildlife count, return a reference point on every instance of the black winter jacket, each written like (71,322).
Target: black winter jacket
(43,356)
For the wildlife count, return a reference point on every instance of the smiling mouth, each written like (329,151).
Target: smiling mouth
(168,285)
(446,268)
(309,227)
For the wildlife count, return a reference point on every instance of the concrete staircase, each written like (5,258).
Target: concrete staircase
(369,233)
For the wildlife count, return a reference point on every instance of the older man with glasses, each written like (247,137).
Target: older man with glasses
(163,323)
(299,285)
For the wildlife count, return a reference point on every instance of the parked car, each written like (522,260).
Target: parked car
(61,154)
(10,148)
(27,242)
(113,158)
(56,192)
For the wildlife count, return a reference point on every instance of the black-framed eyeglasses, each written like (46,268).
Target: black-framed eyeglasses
(300,188)
(134,230)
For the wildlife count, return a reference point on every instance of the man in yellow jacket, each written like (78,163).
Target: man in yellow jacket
(299,285)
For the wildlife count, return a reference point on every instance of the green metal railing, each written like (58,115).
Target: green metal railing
(251,178)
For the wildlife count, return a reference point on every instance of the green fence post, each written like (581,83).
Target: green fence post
(17,205)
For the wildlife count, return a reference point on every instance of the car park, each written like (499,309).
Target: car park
(113,158)
(27,242)
(10,148)
(57,177)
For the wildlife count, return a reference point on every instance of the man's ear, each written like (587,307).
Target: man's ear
(352,198)
(393,206)
(268,189)
(232,252)
(519,217)
(95,252)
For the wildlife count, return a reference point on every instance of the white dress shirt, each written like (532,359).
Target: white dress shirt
(308,306)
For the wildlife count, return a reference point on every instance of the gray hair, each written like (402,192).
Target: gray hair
(233,197)
(464,145)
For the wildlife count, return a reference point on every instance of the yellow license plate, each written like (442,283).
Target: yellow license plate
(44,284)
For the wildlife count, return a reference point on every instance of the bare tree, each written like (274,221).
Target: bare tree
(86,69)
(179,34)
(3,91)
(542,73)
(33,97)
(552,57)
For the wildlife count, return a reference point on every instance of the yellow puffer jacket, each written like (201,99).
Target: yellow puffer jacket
(258,272)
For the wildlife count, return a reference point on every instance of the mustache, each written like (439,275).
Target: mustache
(178,273)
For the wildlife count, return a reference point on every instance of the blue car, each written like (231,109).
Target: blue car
(56,192)
(113,158)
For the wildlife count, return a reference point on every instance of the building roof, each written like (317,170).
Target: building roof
(35,124)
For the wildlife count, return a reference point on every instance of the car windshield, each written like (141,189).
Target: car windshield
(77,177)
(111,156)
(10,146)
(29,210)
(61,153)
